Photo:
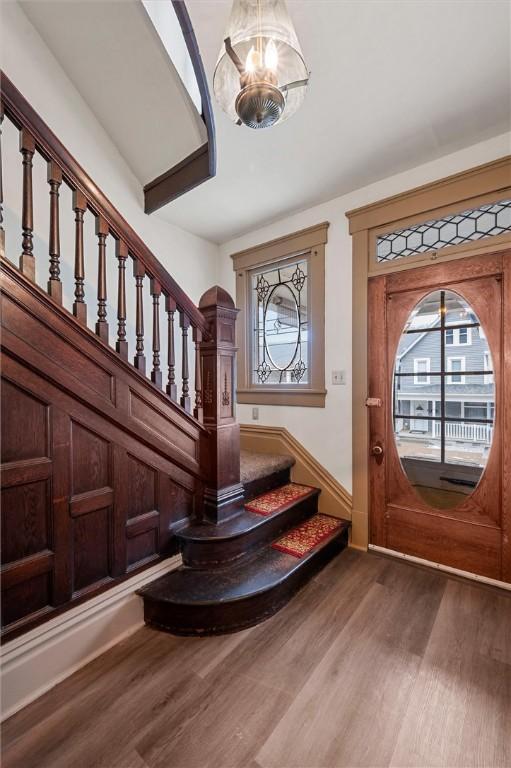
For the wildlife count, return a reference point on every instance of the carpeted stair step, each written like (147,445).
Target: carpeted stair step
(210,545)
(215,601)
(261,472)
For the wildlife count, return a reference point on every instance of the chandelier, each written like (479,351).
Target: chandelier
(260,76)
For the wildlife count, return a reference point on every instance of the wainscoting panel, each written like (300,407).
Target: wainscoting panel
(90,491)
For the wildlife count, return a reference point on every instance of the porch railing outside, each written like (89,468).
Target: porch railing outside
(475,433)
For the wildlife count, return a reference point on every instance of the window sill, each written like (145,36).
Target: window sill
(312,398)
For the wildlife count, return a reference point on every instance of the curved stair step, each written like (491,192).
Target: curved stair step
(216,601)
(210,545)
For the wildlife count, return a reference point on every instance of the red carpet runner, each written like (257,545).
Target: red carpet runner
(301,540)
(273,501)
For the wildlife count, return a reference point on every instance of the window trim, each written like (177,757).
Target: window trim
(308,242)
(417,373)
(461,372)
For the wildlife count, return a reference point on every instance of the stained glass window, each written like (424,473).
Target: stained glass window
(454,229)
(280,351)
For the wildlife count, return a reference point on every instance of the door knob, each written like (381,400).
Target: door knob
(377,450)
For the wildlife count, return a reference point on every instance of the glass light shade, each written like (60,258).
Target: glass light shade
(265,44)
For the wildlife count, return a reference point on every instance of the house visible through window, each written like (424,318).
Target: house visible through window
(280,321)
(280,291)
(443,403)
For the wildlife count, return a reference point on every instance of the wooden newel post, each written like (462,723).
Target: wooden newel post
(220,451)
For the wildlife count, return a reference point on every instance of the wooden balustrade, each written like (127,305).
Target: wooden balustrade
(122,255)
(139,360)
(171,388)
(62,168)
(158,464)
(54,283)
(79,305)
(156,376)
(185,375)
(27,149)
(102,324)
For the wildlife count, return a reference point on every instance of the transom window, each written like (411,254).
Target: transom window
(454,229)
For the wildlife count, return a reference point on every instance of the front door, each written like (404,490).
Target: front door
(440,389)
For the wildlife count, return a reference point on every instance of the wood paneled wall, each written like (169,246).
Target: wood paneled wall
(98,466)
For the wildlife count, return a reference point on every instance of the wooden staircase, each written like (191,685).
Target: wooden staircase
(111,462)
(232,577)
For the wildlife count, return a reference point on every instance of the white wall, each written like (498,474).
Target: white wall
(33,69)
(326,433)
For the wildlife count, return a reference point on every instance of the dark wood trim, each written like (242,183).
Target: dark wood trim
(90,501)
(95,425)
(186,175)
(23,115)
(26,568)
(200,165)
(143,523)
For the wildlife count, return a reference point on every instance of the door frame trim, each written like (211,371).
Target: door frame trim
(451,194)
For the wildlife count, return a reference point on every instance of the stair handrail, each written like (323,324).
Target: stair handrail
(23,115)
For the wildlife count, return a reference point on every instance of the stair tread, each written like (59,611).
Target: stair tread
(254,466)
(241,523)
(258,573)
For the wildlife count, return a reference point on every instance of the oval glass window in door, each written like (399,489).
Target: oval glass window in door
(443,399)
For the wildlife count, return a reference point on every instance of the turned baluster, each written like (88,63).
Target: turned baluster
(27,261)
(121,250)
(198,411)
(2,233)
(79,305)
(185,398)
(102,324)
(156,376)
(139,360)
(54,283)
(170,307)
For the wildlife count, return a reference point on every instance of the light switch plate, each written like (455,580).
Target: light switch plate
(338,377)
(255,414)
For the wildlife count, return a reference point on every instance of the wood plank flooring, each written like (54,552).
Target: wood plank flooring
(375,663)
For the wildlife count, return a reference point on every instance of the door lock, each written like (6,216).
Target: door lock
(377,450)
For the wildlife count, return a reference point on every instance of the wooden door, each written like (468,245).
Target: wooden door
(440,354)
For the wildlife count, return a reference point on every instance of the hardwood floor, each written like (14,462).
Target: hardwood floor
(375,663)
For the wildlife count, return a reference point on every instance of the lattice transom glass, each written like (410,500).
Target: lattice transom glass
(280,350)
(454,229)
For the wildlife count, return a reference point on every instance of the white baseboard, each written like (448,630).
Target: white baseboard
(440,567)
(39,659)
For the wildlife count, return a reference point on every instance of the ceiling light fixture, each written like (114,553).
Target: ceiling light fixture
(260,76)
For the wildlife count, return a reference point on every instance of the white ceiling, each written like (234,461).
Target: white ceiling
(117,61)
(395,83)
